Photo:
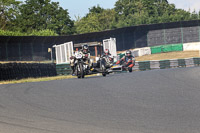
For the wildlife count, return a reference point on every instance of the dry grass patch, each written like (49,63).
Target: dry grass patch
(170,55)
(41,79)
(4,62)
(36,79)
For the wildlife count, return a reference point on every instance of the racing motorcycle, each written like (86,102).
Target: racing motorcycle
(102,66)
(121,67)
(81,69)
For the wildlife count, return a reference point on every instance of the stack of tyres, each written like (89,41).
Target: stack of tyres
(63,69)
(10,71)
(196,61)
(144,65)
(164,64)
(181,63)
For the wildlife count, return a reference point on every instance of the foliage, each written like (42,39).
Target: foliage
(8,12)
(98,19)
(33,33)
(43,14)
(43,17)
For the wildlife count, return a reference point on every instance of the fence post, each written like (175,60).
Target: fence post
(7,48)
(134,37)
(32,51)
(19,45)
(164,33)
(181,32)
(199,30)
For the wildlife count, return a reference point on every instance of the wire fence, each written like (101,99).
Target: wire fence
(35,48)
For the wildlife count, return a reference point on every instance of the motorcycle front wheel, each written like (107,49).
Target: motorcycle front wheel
(80,71)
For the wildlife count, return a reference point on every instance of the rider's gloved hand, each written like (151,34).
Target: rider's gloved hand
(71,57)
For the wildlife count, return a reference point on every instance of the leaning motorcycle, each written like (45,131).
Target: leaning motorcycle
(121,67)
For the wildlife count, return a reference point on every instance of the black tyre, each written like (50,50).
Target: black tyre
(80,72)
(130,70)
(104,74)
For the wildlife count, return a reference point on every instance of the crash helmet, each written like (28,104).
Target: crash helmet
(106,51)
(128,53)
(85,48)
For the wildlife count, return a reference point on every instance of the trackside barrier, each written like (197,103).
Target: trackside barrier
(63,69)
(165,64)
(144,65)
(191,46)
(196,61)
(11,71)
(141,51)
(166,48)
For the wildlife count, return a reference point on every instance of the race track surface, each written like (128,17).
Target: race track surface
(157,101)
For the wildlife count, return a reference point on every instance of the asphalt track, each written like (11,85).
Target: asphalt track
(157,101)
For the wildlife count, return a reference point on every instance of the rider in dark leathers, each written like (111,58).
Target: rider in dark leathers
(108,58)
(86,58)
(128,61)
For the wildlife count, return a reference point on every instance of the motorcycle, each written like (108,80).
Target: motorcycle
(81,69)
(102,66)
(120,67)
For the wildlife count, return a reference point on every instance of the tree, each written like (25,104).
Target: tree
(8,12)
(136,12)
(98,19)
(41,15)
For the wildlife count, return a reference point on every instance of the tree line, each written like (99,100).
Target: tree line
(46,18)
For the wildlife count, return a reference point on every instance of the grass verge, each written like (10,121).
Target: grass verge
(170,55)
(36,79)
(41,79)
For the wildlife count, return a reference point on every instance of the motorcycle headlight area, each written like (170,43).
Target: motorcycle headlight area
(79,56)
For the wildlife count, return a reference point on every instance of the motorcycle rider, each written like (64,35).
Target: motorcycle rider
(86,57)
(108,58)
(127,61)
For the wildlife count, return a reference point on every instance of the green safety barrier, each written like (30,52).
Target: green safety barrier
(164,64)
(181,63)
(156,49)
(144,65)
(196,61)
(166,48)
(63,69)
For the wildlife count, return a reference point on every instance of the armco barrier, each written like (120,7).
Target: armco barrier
(10,71)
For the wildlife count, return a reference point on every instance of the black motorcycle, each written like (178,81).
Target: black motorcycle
(80,66)
(102,66)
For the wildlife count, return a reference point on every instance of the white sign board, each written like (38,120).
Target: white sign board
(64,52)
(111,45)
